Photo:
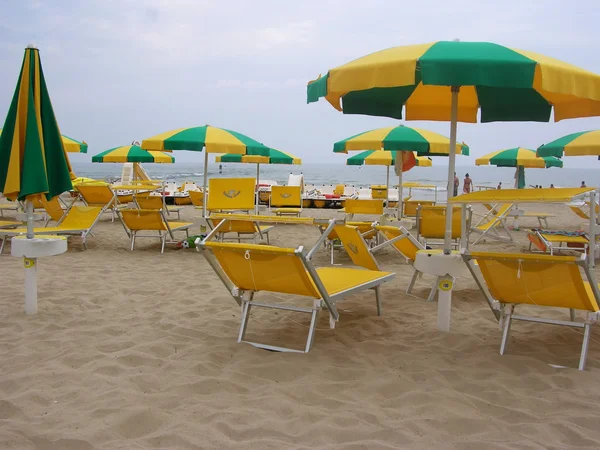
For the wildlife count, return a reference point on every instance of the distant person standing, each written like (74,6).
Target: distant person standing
(467,184)
(551,186)
(583,184)
(499,185)
(220,168)
(456,183)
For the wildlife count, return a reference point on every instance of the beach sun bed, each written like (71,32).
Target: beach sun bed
(508,280)
(431,224)
(243,229)
(246,269)
(145,201)
(286,200)
(492,223)
(139,220)
(551,241)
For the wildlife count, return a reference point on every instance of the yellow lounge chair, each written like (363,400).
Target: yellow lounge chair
(136,220)
(583,209)
(12,206)
(197,198)
(495,220)
(240,228)
(508,280)
(246,269)
(286,200)
(100,195)
(231,195)
(365,228)
(367,207)
(551,242)
(156,202)
(410,207)
(77,221)
(431,224)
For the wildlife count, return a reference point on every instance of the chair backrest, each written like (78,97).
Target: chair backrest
(356,247)
(263,268)
(537,240)
(81,217)
(542,280)
(406,246)
(410,206)
(143,219)
(579,211)
(197,197)
(235,226)
(431,221)
(359,206)
(127,173)
(53,207)
(97,195)
(379,191)
(339,189)
(150,202)
(286,196)
(226,194)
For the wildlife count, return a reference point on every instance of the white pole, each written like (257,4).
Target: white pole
(387,186)
(30,267)
(592,232)
(451,168)
(29,214)
(205,182)
(257,187)
(400,199)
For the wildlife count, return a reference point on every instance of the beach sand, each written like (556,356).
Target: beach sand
(136,350)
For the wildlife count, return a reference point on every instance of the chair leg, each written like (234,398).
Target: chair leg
(313,325)
(572,315)
(132,240)
(267,235)
(2,245)
(163,239)
(378,299)
(244,322)
(412,281)
(332,252)
(431,296)
(584,346)
(506,331)
(84,241)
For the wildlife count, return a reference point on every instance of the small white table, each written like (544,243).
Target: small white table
(446,268)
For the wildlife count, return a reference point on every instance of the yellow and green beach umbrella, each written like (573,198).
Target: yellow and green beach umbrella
(132,154)
(383,158)
(423,142)
(518,157)
(32,156)
(583,143)
(208,138)
(456,81)
(70,145)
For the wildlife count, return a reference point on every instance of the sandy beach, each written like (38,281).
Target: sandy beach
(137,350)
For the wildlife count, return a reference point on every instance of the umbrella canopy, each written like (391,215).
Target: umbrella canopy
(32,156)
(515,157)
(584,143)
(132,153)
(506,84)
(398,138)
(273,157)
(71,145)
(383,158)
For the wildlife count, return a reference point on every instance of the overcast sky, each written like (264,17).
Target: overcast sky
(123,70)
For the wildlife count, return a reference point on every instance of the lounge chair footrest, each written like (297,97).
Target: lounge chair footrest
(282,307)
(566,323)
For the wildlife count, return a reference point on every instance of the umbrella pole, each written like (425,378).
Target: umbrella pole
(400,199)
(29,214)
(257,187)
(30,267)
(387,187)
(451,168)
(205,183)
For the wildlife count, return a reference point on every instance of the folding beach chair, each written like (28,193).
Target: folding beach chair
(492,223)
(77,221)
(366,207)
(197,198)
(551,241)
(9,206)
(243,229)
(137,220)
(410,207)
(431,224)
(100,195)
(246,269)
(231,195)
(155,202)
(582,209)
(286,200)
(333,242)
(508,280)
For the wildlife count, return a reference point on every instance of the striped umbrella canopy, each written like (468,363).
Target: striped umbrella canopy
(133,154)
(209,138)
(400,138)
(32,157)
(70,145)
(454,81)
(273,157)
(584,143)
(520,158)
(383,158)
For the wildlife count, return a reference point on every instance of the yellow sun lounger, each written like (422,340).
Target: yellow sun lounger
(358,206)
(246,269)
(100,195)
(431,224)
(508,280)
(197,198)
(78,221)
(492,222)
(231,194)
(136,220)
(410,207)
(156,202)
(12,206)
(582,209)
(241,228)
(286,200)
(365,228)
(552,242)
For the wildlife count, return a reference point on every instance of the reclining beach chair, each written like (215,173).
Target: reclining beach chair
(286,200)
(100,195)
(244,229)
(156,202)
(9,206)
(246,269)
(78,221)
(492,222)
(231,195)
(551,241)
(431,224)
(410,207)
(136,220)
(582,209)
(508,280)
(197,198)
(333,242)
(360,206)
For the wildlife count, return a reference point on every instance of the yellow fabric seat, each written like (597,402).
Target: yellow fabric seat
(539,280)
(339,279)
(365,228)
(156,202)
(286,200)
(241,227)
(137,220)
(551,242)
(493,221)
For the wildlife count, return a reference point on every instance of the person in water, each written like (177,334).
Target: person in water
(220,168)
(499,185)
(583,184)
(467,184)
(456,183)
